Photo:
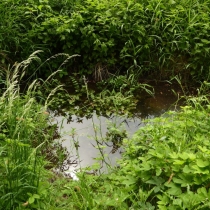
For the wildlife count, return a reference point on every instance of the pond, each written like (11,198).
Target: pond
(87,139)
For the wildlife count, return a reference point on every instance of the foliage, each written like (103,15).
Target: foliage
(169,159)
(79,98)
(165,165)
(26,141)
(127,84)
(157,37)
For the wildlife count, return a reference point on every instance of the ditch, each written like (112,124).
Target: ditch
(95,141)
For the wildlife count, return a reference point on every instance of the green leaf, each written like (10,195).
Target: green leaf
(145,166)
(177,202)
(129,181)
(158,171)
(40,7)
(36,196)
(178,162)
(203,149)
(205,41)
(200,178)
(174,155)
(156,181)
(201,163)
(191,156)
(174,191)
(187,179)
(31,200)
(203,192)
(172,2)
(198,170)
(184,156)
(67,30)
(178,181)
(187,169)
(163,199)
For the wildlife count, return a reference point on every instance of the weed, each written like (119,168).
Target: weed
(157,39)
(26,141)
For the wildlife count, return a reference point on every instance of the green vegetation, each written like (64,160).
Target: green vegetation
(165,166)
(156,38)
(114,95)
(114,43)
(27,148)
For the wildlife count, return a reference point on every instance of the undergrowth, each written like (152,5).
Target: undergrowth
(165,165)
(27,146)
(157,38)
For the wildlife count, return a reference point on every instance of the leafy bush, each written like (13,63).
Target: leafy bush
(169,158)
(158,37)
(165,165)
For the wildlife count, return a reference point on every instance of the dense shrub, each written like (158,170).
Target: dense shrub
(161,38)
(167,162)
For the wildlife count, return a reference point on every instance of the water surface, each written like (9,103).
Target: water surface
(84,132)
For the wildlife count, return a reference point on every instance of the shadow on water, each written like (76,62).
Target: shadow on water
(92,142)
(167,97)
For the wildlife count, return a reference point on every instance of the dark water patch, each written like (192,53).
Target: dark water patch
(86,137)
(166,97)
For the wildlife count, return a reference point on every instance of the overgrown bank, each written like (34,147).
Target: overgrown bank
(157,38)
(165,165)
(27,142)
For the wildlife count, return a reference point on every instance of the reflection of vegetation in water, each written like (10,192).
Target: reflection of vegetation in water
(115,95)
(164,165)
(101,137)
(115,134)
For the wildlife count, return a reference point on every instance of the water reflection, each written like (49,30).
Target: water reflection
(83,136)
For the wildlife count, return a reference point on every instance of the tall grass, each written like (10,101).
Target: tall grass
(24,133)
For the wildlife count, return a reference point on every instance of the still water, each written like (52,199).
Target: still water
(87,133)
(81,137)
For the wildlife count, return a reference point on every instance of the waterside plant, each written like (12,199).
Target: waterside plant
(165,165)
(26,141)
(157,38)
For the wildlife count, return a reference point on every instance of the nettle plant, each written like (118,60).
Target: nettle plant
(166,164)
